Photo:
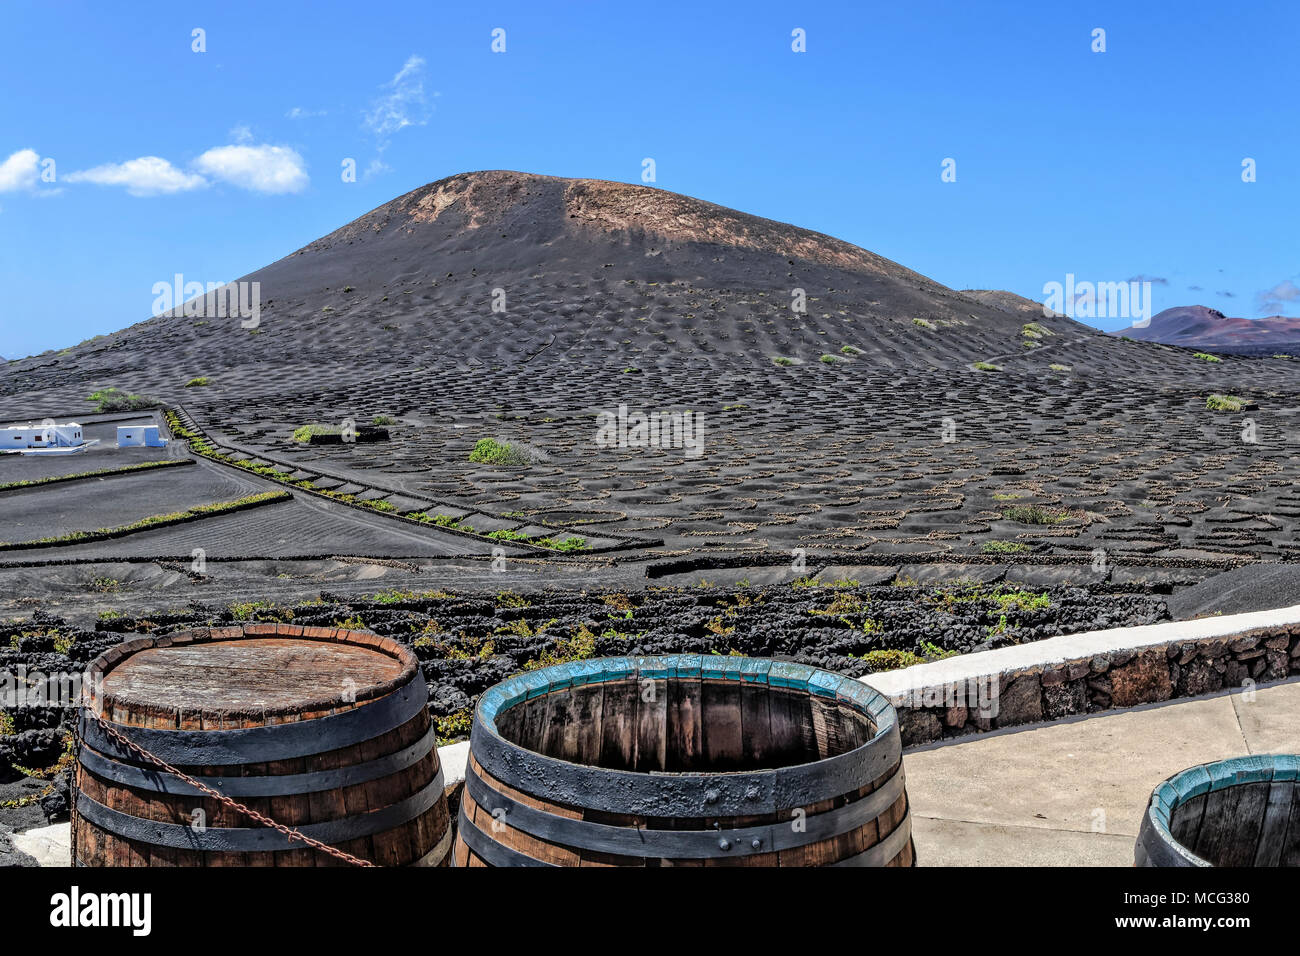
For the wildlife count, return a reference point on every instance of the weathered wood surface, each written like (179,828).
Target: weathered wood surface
(267,673)
(679,725)
(278,675)
(1237,821)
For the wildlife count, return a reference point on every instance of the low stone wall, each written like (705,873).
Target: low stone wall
(1069,676)
(1091,672)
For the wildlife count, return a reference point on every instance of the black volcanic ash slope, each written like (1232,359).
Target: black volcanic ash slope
(600,273)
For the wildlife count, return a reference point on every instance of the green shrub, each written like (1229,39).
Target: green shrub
(888,660)
(828,359)
(304,434)
(154,521)
(197,382)
(454,726)
(987,367)
(563,544)
(98,473)
(782,360)
(579,647)
(1004,547)
(1225,403)
(113,399)
(1034,514)
(807,582)
(1206,357)
(489,451)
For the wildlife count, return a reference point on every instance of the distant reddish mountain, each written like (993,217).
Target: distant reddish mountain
(1197,326)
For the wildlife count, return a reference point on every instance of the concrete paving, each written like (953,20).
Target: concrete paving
(1072,793)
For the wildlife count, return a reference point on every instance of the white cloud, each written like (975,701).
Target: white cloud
(404,104)
(1274,300)
(263,169)
(241,134)
(299,113)
(20,171)
(146,176)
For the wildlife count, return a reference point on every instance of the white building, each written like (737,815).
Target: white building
(47,438)
(140,435)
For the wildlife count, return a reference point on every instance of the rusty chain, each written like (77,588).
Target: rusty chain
(221,798)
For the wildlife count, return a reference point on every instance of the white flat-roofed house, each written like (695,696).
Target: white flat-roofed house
(47,438)
(146,436)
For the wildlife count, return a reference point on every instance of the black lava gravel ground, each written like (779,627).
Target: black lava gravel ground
(468,642)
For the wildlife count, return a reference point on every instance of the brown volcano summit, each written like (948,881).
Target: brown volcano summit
(499,268)
(1198,326)
(592,208)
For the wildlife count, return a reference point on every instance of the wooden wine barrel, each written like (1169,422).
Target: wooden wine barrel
(323,730)
(1239,812)
(684,761)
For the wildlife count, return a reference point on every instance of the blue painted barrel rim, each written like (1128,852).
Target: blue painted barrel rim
(1157,838)
(515,690)
(682,794)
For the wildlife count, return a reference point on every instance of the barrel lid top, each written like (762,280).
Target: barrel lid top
(251,671)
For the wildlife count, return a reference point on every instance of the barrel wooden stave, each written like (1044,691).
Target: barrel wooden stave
(1244,811)
(409,842)
(821,853)
(685,728)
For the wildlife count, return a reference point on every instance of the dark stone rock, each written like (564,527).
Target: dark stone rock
(19,803)
(55,803)
(1021,701)
(918,727)
(1144,680)
(1100,685)
(1278,664)
(1064,700)
(1053,676)
(1199,677)
(956,716)
(10,855)
(1234,674)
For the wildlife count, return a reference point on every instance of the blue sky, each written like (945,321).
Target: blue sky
(1106,165)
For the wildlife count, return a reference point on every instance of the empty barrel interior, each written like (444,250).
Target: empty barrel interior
(695,760)
(681,724)
(1239,812)
(1244,825)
